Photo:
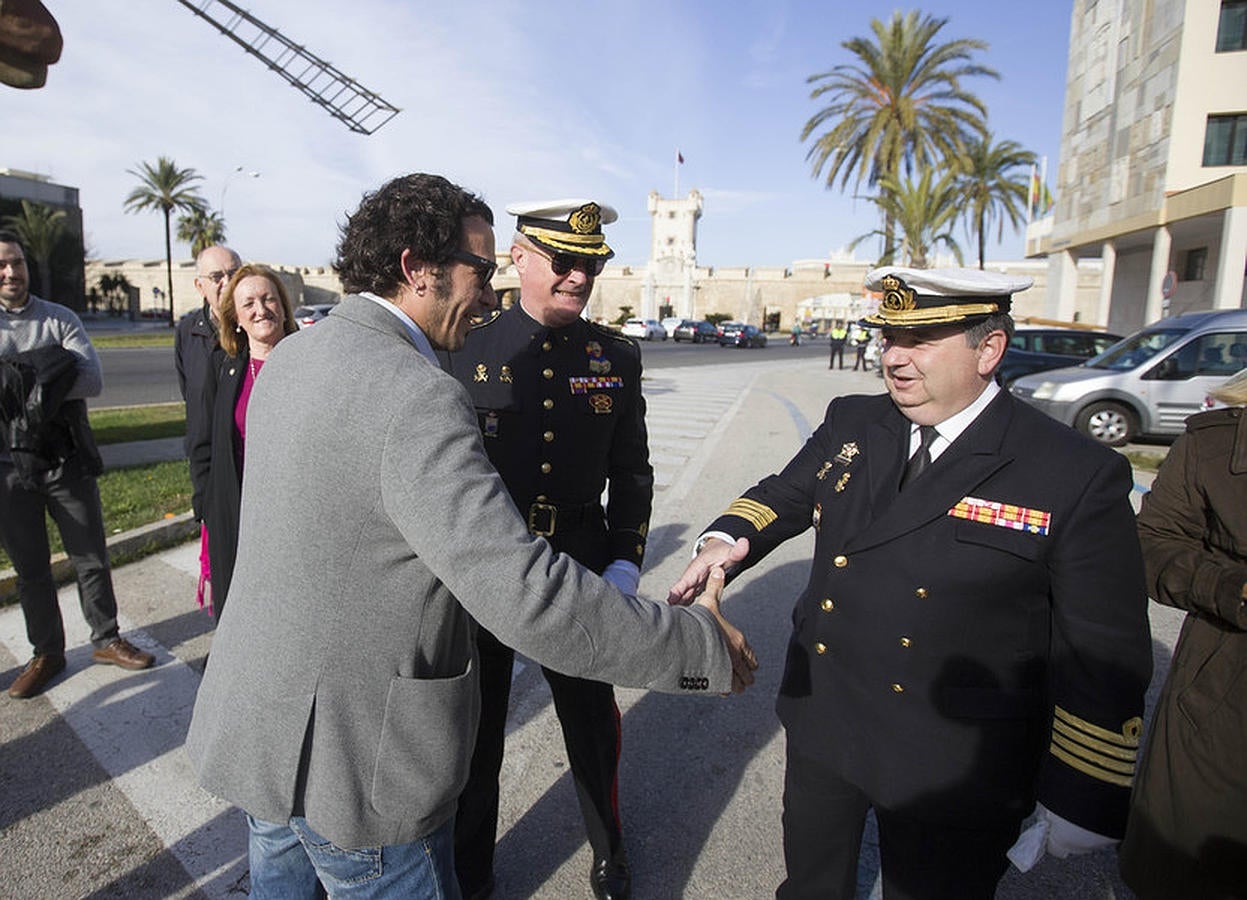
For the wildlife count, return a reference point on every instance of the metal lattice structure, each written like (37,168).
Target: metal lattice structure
(342,97)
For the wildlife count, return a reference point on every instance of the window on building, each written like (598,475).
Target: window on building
(1225,141)
(1232,27)
(1193,265)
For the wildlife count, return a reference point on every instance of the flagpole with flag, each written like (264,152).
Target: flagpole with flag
(679,161)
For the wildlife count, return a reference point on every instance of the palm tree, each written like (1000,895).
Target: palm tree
(993,178)
(925,213)
(165,187)
(201,227)
(40,228)
(900,106)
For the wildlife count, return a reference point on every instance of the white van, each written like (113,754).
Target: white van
(1146,384)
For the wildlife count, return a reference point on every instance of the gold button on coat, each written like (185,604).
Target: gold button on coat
(898,688)
(546,345)
(906,642)
(547,373)
(840,562)
(548,436)
(820,648)
(545,468)
(547,403)
(921,593)
(828,606)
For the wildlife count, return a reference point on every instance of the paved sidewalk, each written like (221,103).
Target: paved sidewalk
(98,800)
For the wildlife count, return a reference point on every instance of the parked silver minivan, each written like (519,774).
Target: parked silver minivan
(1146,384)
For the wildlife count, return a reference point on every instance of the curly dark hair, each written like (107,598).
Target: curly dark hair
(418,212)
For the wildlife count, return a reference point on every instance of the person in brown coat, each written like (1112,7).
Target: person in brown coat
(1187,830)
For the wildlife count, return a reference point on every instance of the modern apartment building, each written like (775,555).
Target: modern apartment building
(1153,170)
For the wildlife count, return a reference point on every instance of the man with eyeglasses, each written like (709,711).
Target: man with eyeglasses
(559,403)
(340,703)
(196,335)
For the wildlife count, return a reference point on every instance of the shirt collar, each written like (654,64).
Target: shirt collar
(952,427)
(417,336)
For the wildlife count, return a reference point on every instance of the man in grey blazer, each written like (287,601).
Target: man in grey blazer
(340,703)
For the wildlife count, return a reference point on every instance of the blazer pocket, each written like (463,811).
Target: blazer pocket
(426,744)
(998,537)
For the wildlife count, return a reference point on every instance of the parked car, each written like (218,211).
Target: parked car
(1037,348)
(1146,384)
(736,334)
(697,332)
(313,313)
(645,329)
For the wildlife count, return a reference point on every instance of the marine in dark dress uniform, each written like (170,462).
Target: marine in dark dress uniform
(973,645)
(560,408)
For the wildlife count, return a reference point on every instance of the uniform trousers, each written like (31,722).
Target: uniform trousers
(590,723)
(74,504)
(824,817)
(591,735)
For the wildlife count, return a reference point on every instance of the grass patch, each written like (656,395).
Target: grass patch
(130,339)
(138,423)
(133,497)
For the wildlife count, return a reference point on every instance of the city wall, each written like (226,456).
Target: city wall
(808,290)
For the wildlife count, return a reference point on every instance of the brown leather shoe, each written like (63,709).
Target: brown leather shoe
(38,672)
(122,653)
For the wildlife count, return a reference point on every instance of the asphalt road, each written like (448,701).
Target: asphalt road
(138,376)
(97,799)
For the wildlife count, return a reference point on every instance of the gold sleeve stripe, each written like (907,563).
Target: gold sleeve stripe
(1103,747)
(1087,769)
(1125,767)
(1127,737)
(759,515)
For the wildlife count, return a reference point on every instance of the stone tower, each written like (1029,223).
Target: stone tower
(670,277)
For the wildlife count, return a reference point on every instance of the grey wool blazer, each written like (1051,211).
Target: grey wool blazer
(342,684)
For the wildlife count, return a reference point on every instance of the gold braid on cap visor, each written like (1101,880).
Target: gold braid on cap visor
(931,315)
(584,244)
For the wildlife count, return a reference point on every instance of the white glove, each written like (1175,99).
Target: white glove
(1052,834)
(624,575)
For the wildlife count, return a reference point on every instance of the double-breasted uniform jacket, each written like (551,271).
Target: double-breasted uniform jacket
(216,480)
(1187,835)
(342,685)
(976,643)
(562,414)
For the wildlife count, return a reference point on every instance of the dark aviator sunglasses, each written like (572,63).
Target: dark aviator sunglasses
(562,263)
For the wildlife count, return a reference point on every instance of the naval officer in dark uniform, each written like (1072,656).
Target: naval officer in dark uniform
(972,646)
(560,408)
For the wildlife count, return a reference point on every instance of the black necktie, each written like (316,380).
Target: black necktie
(922,456)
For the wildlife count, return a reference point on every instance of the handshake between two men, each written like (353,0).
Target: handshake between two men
(702,583)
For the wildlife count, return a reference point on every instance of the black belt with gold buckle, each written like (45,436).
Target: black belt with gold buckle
(544,519)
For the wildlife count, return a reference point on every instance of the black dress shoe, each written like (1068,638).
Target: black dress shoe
(611,879)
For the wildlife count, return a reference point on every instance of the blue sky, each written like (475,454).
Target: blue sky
(514,100)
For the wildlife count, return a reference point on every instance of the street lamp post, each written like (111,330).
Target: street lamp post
(238,170)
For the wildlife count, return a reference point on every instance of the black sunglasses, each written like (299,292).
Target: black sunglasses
(484,268)
(562,263)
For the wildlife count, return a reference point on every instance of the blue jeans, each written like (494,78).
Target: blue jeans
(291,861)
